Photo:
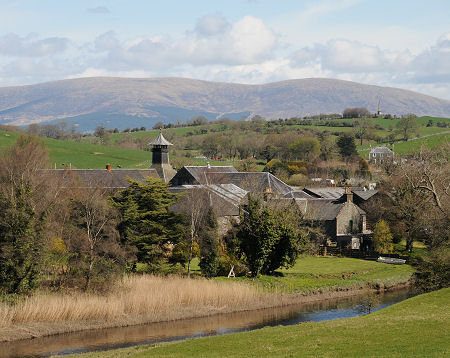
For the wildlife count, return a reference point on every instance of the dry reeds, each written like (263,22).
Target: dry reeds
(136,299)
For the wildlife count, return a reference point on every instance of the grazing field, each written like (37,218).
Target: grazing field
(417,327)
(313,274)
(83,155)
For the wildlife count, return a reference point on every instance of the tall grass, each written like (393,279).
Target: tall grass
(135,299)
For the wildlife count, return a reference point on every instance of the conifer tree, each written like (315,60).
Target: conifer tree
(146,219)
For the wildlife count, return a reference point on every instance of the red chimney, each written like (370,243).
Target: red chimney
(108,167)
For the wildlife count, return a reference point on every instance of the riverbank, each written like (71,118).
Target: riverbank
(417,327)
(145,299)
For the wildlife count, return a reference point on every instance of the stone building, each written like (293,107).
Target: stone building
(379,155)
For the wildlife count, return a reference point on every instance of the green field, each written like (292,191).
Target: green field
(311,274)
(90,156)
(405,148)
(417,327)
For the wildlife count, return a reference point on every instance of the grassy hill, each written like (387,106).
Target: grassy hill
(85,154)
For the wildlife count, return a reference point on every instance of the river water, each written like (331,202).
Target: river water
(103,339)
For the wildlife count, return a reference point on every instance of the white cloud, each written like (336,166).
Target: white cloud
(211,25)
(247,41)
(352,56)
(31,46)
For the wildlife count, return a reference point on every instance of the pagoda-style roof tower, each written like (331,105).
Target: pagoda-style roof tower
(160,158)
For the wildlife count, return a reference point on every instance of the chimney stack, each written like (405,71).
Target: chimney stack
(348,194)
(108,167)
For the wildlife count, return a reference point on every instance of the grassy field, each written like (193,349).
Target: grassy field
(312,274)
(411,146)
(417,327)
(92,156)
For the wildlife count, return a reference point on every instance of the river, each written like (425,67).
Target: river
(102,339)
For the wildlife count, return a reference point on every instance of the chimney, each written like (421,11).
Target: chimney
(108,167)
(348,194)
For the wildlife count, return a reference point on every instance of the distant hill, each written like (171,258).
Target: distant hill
(131,102)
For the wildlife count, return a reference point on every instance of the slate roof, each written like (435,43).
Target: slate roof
(321,209)
(102,178)
(381,150)
(256,182)
(197,174)
(160,140)
(297,194)
(224,198)
(338,192)
(364,194)
(326,192)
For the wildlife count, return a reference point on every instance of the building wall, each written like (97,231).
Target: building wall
(349,213)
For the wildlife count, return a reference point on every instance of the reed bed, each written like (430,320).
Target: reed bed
(137,299)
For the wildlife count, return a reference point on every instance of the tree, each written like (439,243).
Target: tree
(209,245)
(361,128)
(306,148)
(357,112)
(364,167)
(27,194)
(100,131)
(197,121)
(346,145)
(407,126)
(268,238)
(95,246)
(269,152)
(146,221)
(382,238)
(195,205)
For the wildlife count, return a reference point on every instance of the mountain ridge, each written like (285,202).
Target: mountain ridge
(93,100)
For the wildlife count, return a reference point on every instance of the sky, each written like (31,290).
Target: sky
(396,43)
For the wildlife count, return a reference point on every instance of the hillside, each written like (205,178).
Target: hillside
(130,102)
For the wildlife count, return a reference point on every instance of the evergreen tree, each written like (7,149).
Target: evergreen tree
(146,220)
(21,241)
(25,201)
(269,239)
(209,245)
(382,238)
(346,144)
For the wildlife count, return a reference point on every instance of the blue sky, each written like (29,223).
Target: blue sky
(395,43)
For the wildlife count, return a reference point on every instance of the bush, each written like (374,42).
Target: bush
(432,270)
(298,180)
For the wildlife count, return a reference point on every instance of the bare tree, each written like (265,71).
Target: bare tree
(95,239)
(195,204)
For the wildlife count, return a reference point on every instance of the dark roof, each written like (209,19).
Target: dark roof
(256,182)
(297,194)
(197,174)
(224,198)
(160,140)
(102,178)
(365,194)
(326,192)
(338,192)
(322,209)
